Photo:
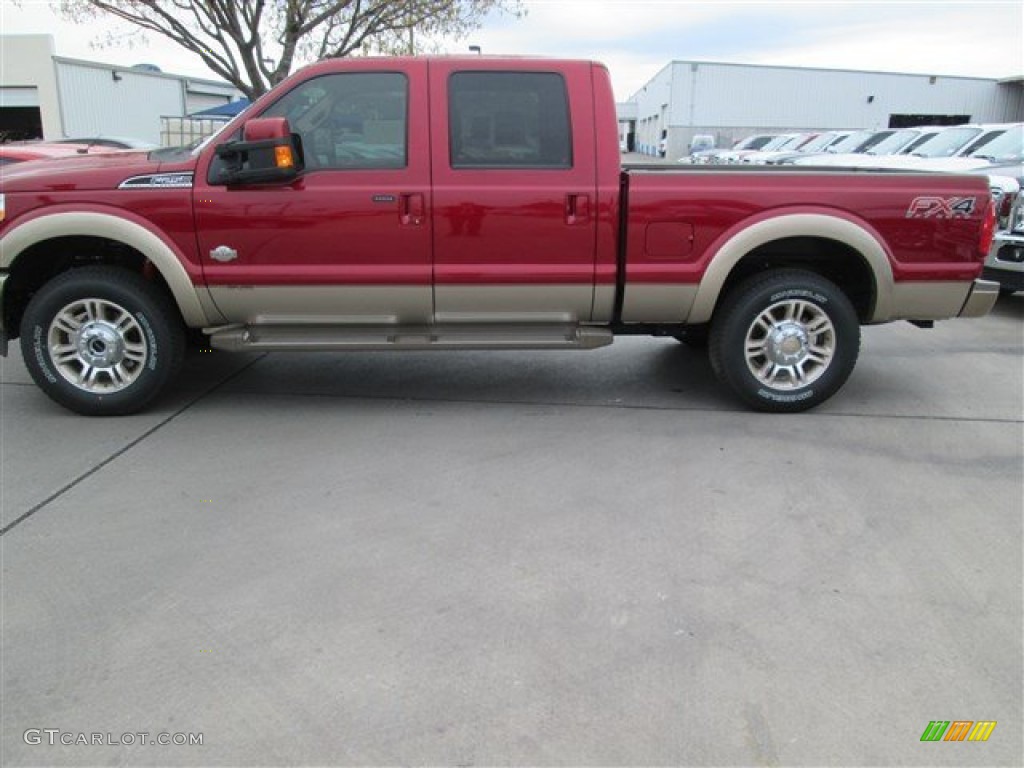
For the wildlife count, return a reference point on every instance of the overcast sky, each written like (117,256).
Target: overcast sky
(636,38)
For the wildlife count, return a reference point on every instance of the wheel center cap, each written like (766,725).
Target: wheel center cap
(100,345)
(787,344)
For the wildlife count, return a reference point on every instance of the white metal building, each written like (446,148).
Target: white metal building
(52,97)
(730,101)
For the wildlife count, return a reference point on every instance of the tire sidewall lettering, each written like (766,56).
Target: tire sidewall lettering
(777,397)
(143,321)
(42,354)
(799,293)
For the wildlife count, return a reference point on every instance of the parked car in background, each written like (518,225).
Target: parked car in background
(113,142)
(892,143)
(21,151)
(815,146)
(956,142)
(1005,262)
(902,141)
(1003,148)
(709,156)
(702,142)
(855,143)
(736,154)
(793,145)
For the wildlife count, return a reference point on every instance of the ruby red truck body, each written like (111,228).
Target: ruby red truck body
(419,248)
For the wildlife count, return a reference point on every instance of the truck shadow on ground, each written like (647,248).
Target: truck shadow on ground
(1010,306)
(655,373)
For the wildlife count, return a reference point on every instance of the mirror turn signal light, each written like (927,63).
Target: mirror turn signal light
(283,157)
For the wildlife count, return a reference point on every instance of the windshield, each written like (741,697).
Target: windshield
(851,142)
(819,142)
(947,143)
(778,142)
(890,145)
(873,140)
(753,142)
(925,136)
(1006,146)
(791,143)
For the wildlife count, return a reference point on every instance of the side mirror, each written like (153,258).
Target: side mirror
(268,152)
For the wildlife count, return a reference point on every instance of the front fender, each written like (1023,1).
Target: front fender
(168,261)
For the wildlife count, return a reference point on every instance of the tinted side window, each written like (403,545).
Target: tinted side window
(509,120)
(349,121)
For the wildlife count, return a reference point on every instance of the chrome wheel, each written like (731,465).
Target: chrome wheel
(790,344)
(97,345)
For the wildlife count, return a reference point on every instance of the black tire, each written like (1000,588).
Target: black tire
(110,329)
(785,340)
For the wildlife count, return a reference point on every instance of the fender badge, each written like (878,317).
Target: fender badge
(929,207)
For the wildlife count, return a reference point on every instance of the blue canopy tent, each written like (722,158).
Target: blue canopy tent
(224,111)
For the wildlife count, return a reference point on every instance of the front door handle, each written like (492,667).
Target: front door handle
(577,209)
(413,210)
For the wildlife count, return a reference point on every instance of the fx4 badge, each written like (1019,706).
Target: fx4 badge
(929,207)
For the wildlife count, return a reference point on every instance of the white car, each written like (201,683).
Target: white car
(711,156)
(1005,262)
(896,142)
(921,155)
(934,154)
(851,146)
(736,154)
(816,146)
(992,148)
(793,145)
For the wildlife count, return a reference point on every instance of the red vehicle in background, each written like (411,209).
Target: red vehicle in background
(20,151)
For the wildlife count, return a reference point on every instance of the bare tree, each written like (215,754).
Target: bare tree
(254,44)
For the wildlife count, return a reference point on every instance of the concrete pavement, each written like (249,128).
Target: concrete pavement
(548,558)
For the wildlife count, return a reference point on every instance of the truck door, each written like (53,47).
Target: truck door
(514,191)
(349,240)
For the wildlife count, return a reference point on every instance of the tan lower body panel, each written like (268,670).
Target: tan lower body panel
(570,303)
(324,304)
(661,303)
(404,305)
(928,300)
(604,304)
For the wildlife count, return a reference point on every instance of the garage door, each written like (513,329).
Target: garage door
(19,114)
(19,96)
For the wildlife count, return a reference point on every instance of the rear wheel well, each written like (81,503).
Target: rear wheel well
(833,260)
(42,261)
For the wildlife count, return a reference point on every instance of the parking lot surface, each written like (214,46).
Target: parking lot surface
(545,558)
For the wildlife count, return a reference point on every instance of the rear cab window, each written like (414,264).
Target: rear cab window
(509,120)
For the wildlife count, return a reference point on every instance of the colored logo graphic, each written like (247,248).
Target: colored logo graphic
(958,730)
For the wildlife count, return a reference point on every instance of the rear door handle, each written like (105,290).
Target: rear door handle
(577,209)
(413,210)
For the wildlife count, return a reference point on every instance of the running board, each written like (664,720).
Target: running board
(328,338)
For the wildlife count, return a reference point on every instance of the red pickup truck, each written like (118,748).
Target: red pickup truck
(466,203)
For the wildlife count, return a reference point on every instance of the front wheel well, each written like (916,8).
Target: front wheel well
(833,260)
(43,261)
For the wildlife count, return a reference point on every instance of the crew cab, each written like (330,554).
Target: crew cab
(465,203)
